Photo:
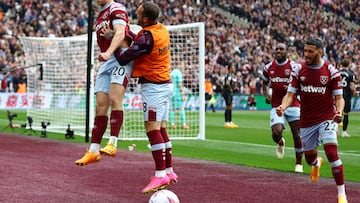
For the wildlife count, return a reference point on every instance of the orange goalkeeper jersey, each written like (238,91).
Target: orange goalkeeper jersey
(155,67)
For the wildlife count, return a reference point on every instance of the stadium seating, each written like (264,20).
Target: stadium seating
(249,46)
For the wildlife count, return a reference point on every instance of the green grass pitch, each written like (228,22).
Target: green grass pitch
(249,145)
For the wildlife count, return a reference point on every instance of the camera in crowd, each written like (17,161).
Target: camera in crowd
(11,116)
(69,133)
(30,121)
(44,124)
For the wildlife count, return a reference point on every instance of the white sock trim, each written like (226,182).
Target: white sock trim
(160,173)
(94,148)
(169,170)
(113,140)
(341,190)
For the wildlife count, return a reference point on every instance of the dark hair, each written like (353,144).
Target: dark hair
(345,62)
(315,42)
(151,10)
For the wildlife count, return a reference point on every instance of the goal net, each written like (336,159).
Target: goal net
(60,97)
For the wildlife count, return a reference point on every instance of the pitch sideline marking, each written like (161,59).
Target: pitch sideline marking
(289,148)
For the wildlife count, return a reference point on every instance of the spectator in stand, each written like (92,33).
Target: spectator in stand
(253,41)
(22,83)
(208,93)
(4,84)
(246,89)
(251,102)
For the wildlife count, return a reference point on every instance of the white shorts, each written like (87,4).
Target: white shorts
(156,101)
(112,72)
(291,114)
(325,132)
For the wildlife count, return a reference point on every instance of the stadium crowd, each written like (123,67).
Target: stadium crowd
(248,46)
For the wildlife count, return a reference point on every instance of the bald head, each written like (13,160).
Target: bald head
(281,52)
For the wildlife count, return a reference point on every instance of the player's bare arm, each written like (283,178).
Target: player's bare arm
(182,91)
(286,102)
(119,35)
(266,88)
(339,105)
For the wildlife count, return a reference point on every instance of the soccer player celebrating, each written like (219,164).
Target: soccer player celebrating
(150,53)
(277,74)
(178,97)
(319,85)
(348,82)
(111,79)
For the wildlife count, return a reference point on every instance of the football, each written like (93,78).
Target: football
(164,196)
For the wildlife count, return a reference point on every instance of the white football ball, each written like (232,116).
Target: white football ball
(164,196)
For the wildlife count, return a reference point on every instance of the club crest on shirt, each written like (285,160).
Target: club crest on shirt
(287,71)
(323,79)
(302,78)
(105,15)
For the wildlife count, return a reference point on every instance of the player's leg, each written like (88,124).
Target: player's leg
(155,107)
(120,77)
(116,117)
(292,115)
(102,88)
(345,122)
(228,111)
(277,124)
(207,100)
(101,119)
(181,107)
(329,139)
(183,118)
(212,103)
(295,130)
(172,112)
(227,117)
(168,154)
(311,140)
(168,149)
(229,106)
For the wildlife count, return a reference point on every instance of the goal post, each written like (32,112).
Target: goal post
(60,98)
(188,40)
